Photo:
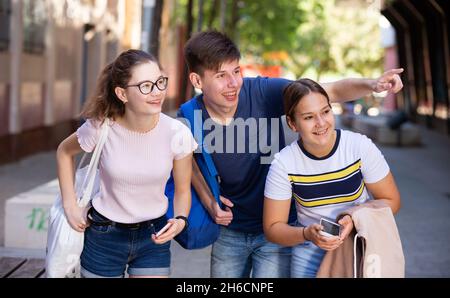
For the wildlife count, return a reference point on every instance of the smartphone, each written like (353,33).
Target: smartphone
(165,228)
(330,228)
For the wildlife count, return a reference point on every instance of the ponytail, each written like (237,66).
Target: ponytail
(104,103)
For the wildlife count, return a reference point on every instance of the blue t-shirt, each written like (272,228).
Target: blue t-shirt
(242,156)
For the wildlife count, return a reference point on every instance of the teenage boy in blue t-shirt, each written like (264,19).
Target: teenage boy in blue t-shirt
(242,127)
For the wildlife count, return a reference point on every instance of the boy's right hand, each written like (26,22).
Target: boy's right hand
(324,242)
(220,216)
(76,217)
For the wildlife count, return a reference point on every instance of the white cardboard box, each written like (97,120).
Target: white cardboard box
(26,216)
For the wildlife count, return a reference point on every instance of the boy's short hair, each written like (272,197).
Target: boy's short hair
(208,50)
(296,90)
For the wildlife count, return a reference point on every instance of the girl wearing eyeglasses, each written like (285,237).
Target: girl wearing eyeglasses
(143,147)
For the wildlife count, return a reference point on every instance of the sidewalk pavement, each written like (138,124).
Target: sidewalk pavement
(184,264)
(422,174)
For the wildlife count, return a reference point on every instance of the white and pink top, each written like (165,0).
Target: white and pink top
(134,167)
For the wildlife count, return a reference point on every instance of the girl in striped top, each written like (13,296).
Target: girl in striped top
(326,172)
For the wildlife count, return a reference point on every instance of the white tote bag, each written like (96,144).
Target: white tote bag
(64,244)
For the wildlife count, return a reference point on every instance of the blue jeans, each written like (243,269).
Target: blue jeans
(306,259)
(109,249)
(237,254)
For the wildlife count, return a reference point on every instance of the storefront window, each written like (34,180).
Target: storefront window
(5,19)
(34,25)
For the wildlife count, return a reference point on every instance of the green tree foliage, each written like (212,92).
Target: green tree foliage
(312,45)
(337,39)
(268,25)
(319,36)
(258,26)
(355,41)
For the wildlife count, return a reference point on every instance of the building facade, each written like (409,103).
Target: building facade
(51,52)
(422,30)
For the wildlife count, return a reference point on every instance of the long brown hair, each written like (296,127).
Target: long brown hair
(104,103)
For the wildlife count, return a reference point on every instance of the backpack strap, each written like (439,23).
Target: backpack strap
(192,111)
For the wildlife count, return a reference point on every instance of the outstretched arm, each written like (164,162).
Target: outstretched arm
(351,89)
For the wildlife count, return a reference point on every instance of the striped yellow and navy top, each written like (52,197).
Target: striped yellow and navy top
(326,186)
(341,186)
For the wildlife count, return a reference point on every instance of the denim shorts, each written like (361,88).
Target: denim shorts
(108,249)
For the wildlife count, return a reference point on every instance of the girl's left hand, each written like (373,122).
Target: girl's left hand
(177,225)
(347,226)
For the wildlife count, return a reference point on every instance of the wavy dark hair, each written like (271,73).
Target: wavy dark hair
(208,50)
(104,103)
(296,90)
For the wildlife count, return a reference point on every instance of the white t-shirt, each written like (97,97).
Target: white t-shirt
(134,167)
(325,187)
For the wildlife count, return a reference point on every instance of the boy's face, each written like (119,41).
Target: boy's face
(220,88)
(314,120)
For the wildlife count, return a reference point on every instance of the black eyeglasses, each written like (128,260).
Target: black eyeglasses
(147,86)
